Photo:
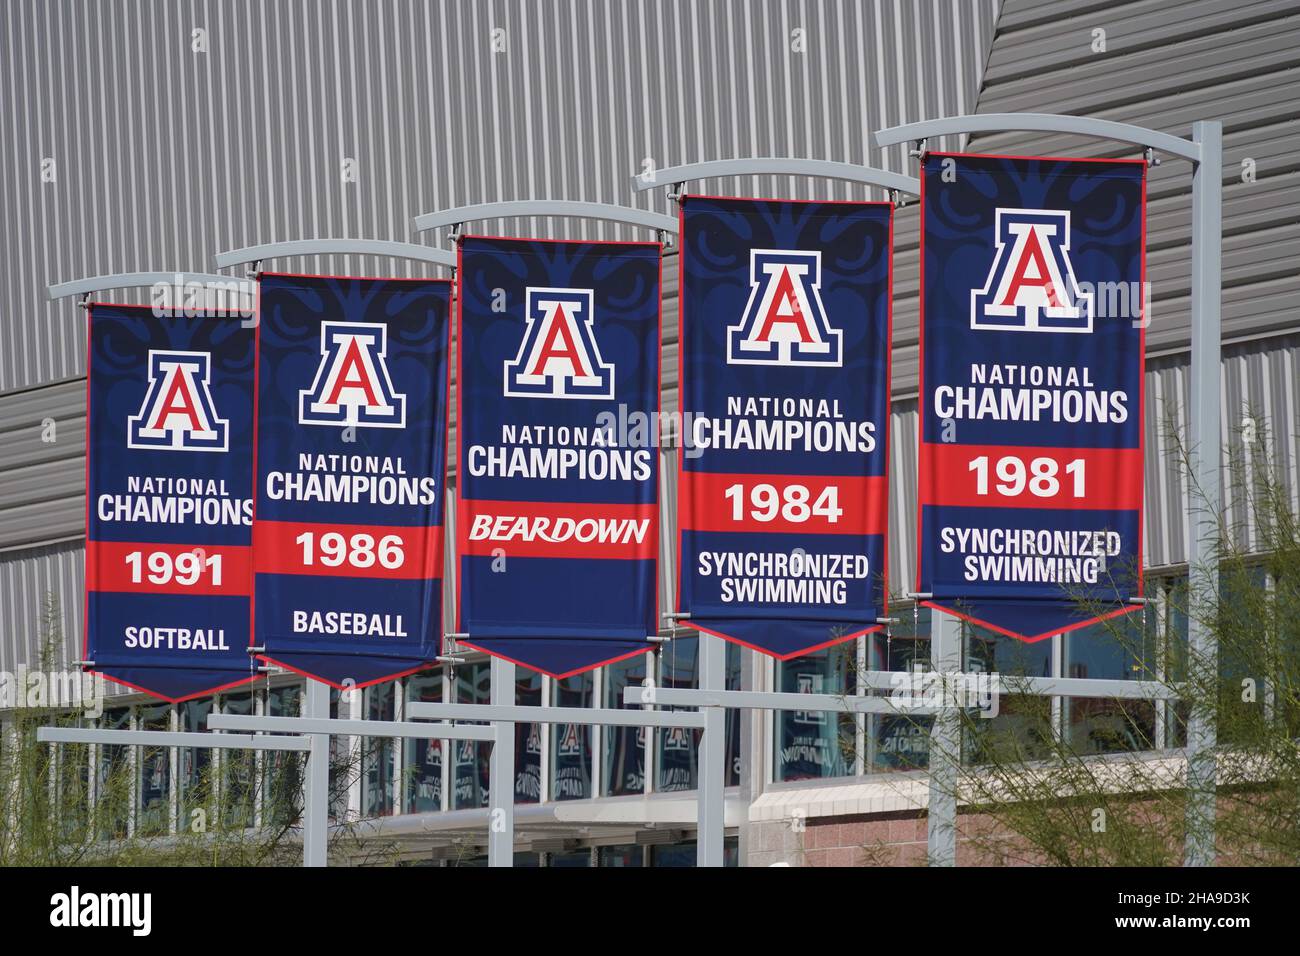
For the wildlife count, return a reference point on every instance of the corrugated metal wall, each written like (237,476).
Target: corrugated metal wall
(1164,65)
(129,150)
(286,93)
(163,156)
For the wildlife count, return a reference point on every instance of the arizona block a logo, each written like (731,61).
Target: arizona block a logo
(784,322)
(1031,286)
(352,385)
(177,413)
(559,356)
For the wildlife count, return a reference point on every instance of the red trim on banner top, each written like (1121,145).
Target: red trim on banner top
(277,550)
(705,505)
(955,482)
(546,529)
(1046,159)
(804,202)
(315,275)
(580,242)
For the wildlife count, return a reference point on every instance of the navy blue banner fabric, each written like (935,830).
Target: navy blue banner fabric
(785,345)
(351,466)
(1032,338)
(558,401)
(169,474)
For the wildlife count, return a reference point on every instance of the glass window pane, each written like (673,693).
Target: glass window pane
(813,744)
(1119,649)
(154,770)
(528,739)
(902,741)
(238,770)
(678,747)
(624,754)
(113,783)
(422,764)
(196,778)
(470,768)
(571,743)
(377,795)
(281,769)
(1022,729)
(622,855)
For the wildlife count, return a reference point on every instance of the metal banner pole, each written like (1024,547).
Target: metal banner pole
(316,811)
(1205,503)
(945,745)
(713,757)
(501,771)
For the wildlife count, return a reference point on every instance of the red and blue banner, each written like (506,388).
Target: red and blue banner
(351,464)
(785,346)
(169,511)
(1032,342)
(557,424)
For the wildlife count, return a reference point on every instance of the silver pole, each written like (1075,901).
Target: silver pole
(1205,503)
(945,745)
(501,770)
(316,810)
(713,756)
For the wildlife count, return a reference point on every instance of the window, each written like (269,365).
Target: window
(623,761)
(571,743)
(113,779)
(196,771)
(238,771)
(470,767)
(423,759)
(901,741)
(528,739)
(377,754)
(813,744)
(1023,727)
(1119,649)
(282,769)
(678,747)
(153,814)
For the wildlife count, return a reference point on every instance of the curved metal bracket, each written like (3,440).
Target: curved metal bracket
(136,280)
(824,168)
(546,207)
(1039,123)
(324,247)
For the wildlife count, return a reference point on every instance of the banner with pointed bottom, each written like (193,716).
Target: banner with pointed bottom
(784,370)
(1033,308)
(558,464)
(351,465)
(169,474)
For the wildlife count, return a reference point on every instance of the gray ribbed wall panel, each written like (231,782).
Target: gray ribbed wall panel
(164,157)
(1166,64)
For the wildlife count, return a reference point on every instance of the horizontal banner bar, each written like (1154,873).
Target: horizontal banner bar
(352,728)
(605,717)
(168,738)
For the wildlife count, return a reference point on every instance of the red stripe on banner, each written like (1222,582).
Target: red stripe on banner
(148,568)
(545,529)
(347,550)
(797,504)
(1017,476)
